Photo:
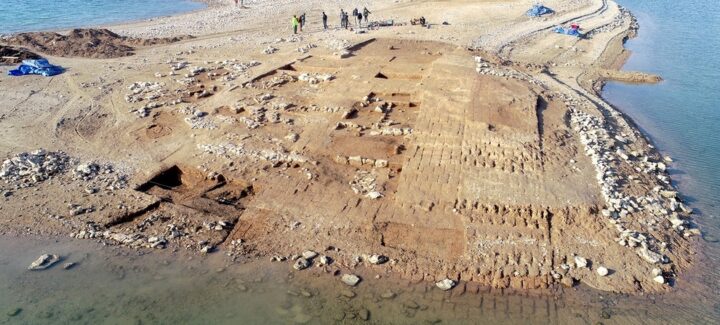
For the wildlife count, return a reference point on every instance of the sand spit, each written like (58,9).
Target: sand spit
(401,150)
(87,43)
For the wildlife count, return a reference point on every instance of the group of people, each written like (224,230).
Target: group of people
(299,22)
(358,15)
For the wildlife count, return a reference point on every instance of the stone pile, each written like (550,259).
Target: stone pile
(314,79)
(607,154)
(145,91)
(269,50)
(306,48)
(364,183)
(244,66)
(485,68)
(100,176)
(29,168)
(618,21)
(198,119)
(358,161)
(231,151)
(391,131)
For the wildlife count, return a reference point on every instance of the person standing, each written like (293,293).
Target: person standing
(302,21)
(366,13)
(324,19)
(295,24)
(359,19)
(355,14)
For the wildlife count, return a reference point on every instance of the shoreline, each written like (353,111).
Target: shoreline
(462,210)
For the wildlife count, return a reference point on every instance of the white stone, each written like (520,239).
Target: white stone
(445,284)
(580,262)
(602,271)
(308,255)
(350,279)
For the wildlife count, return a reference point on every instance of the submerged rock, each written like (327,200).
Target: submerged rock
(43,262)
(387,295)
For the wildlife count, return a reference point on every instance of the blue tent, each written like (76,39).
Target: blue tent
(567,31)
(538,10)
(41,67)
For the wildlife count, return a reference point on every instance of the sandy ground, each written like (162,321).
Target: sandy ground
(477,150)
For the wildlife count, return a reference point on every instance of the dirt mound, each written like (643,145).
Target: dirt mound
(88,43)
(12,55)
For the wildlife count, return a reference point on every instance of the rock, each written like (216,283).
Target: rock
(659,279)
(301,264)
(602,271)
(378,259)
(649,256)
(207,249)
(580,262)
(302,319)
(445,284)
(325,260)
(347,293)
(43,262)
(364,314)
(656,272)
(308,255)
(374,195)
(387,295)
(567,281)
(14,312)
(350,279)
(70,265)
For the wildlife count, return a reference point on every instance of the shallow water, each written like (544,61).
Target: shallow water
(111,285)
(35,15)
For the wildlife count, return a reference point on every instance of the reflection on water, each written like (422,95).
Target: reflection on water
(118,286)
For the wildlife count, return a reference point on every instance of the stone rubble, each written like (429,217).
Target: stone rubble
(29,168)
(315,78)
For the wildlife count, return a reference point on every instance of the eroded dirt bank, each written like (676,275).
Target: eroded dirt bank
(401,149)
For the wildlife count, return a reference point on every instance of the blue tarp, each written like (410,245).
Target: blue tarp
(40,66)
(567,31)
(538,10)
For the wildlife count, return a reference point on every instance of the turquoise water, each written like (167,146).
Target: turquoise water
(34,15)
